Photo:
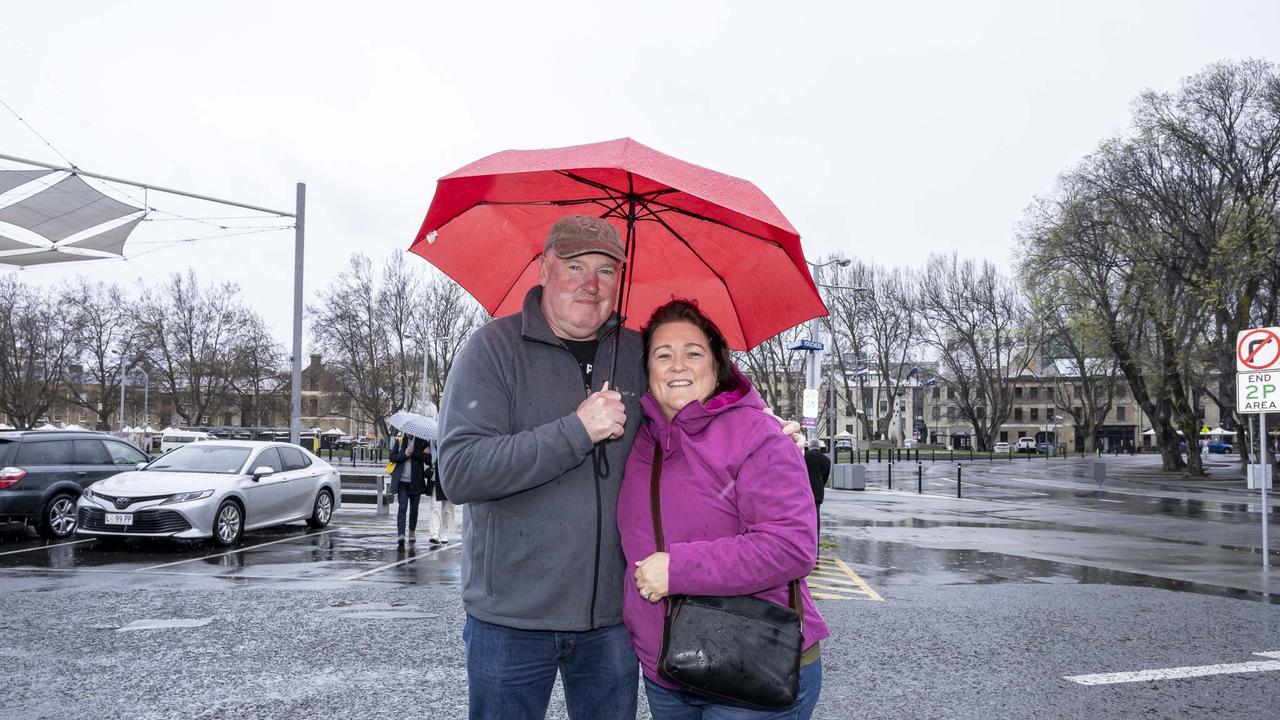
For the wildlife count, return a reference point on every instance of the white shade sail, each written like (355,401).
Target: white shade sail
(44,257)
(69,207)
(109,241)
(10,179)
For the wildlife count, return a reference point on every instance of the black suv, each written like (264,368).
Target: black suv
(42,473)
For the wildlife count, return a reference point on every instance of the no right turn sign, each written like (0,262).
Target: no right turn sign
(1258,349)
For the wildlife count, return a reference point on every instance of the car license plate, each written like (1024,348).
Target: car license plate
(119,518)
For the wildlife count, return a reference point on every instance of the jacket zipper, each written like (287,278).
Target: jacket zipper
(595,571)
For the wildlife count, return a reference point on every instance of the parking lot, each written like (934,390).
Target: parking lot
(1007,602)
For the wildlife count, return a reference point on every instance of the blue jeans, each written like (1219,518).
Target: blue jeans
(406,502)
(510,672)
(667,704)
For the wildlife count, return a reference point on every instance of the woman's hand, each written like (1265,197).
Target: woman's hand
(651,576)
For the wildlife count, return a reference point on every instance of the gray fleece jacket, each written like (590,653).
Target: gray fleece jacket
(541,549)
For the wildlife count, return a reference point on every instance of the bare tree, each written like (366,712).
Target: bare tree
(449,316)
(258,377)
(883,315)
(979,326)
(776,372)
(192,336)
(107,340)
(38,341)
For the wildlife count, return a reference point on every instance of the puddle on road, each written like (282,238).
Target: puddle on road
(880,561)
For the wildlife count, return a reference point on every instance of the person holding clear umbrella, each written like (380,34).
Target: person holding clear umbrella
(408,482)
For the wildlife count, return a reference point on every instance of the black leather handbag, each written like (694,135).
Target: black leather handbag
(737,649)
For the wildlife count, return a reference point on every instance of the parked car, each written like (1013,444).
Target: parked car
(1025,445)
(43,472)
(174,439)
(215,489)
(910,443)
(1001,447)
(1044,448)
(1218,446)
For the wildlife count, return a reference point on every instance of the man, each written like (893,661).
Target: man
(526,403)
(819,466)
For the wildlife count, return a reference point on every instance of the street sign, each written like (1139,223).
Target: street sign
(1258,349)
(806,345)
(1258,392)
(810,409)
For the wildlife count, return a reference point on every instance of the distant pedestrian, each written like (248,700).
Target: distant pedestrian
(441,522)
(408,481)
(819,467)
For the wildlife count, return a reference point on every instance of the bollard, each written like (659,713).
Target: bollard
(957,481)
(953,454)
(878,458)
(382,485)
(890,476)
(919,479)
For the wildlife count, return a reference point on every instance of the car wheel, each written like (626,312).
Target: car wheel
(323,511)
(58,519)
(228,524)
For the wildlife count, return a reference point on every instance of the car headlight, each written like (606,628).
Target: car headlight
(88,494)
(188,497)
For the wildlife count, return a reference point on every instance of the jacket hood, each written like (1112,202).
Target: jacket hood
(695,416)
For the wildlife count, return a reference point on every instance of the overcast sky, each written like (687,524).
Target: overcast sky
(885,133)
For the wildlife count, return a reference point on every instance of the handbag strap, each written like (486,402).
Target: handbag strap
(655,505)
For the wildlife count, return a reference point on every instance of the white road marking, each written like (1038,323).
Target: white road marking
(237,550)
(45,547)
(397,563)
(1182,672)
(1111,501)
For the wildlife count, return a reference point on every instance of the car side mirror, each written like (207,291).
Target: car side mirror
(139,466)
(262,471)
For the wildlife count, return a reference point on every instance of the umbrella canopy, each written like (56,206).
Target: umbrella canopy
(416,425)
(689,232)
(1221,431)
(333,431)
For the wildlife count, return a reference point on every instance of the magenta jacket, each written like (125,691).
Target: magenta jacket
(737,511)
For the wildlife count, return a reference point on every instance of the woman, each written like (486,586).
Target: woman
(412,454)
(737,511)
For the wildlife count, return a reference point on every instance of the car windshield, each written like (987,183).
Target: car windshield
(202,458)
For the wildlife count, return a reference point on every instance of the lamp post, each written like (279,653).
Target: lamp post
(811,380)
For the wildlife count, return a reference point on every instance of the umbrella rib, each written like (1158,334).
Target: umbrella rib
(646,199)
(732,300)
(512,286)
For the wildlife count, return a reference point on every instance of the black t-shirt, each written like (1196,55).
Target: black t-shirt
(585,352)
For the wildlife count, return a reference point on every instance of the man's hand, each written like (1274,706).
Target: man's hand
(603,414)
(652,575)
(792,428)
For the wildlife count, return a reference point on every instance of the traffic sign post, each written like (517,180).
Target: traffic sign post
(1258,392)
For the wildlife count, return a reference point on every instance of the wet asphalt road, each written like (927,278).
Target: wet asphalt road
(987,604)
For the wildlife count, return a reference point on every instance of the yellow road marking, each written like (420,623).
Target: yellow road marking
(839,582)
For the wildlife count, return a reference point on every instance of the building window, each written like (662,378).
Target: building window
(884,406)
(1004,436)
(937,392)
(1035,414)
(848,429)
(1035,393)
(1048,392)
(1017,392)
(951,412)
(1079,413)
(315,407)
(1017,414)
(1120,413)
(937,412)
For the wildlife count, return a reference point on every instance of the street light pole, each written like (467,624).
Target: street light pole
(811,380)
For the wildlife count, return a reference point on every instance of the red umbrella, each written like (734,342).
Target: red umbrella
(689,232)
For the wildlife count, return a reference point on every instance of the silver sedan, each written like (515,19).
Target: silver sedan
(214,490)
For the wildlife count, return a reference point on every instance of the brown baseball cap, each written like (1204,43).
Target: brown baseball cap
(575,235)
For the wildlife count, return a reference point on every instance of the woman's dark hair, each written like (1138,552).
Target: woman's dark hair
(687,311)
